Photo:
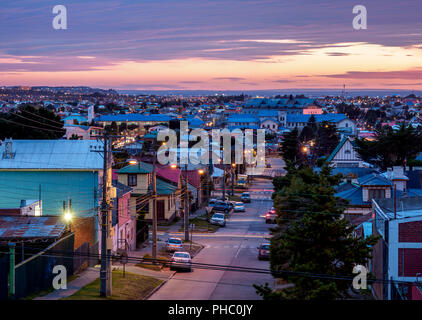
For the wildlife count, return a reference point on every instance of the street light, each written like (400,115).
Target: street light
(68,217)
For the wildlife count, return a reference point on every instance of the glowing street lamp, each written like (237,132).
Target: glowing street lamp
(68,217)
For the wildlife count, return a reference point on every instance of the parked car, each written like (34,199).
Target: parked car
(174,244)
(239,207)
(181,260)
(218,219)
(270,216)
(267,165)
(264,251)
(246,197)
(221,207)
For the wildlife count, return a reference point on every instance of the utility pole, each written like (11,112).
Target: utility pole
(224,181)
(186,217)
(154,210)
(105,271)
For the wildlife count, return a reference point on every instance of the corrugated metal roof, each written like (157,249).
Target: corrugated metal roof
(53,154)
(12,227)
(134,117)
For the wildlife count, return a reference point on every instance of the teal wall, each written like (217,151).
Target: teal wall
(56,187)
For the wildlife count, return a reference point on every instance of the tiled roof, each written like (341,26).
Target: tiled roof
(24,227)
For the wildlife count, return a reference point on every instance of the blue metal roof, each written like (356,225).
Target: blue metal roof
(329,117)
(374,179)
(134,117)
(246,118)
(53,154)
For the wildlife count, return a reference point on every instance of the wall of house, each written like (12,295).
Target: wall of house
(54,188)
(365,192)
(405,257)
(170,207)
(347,155)
(142,180)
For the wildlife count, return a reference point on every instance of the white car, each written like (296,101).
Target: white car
(239,207)
(174,244)
(218,219)
(181,260)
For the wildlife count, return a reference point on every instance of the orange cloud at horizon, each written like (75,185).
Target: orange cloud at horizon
(358,65)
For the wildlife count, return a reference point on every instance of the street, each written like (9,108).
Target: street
(234,245)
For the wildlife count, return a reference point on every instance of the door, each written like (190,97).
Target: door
(160,210)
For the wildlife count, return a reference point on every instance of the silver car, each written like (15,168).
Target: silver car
(239,207)
(181,260)
(174,244)
(218,219)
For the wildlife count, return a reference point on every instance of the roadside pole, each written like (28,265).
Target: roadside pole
(154,212)
(105,271)
(186,217)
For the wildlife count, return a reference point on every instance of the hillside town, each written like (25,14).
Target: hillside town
(80,177)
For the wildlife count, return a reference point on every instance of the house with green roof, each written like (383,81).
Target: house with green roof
(139,178)
(345,155)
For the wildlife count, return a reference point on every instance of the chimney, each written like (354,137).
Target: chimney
(389,173)
(397,171)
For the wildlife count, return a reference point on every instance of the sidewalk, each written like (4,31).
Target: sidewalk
(91,274)
(85,278)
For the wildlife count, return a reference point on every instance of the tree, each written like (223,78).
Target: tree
(29,122)
(327,139)
(390,147)
(313,244)
(309,131)
(290,148)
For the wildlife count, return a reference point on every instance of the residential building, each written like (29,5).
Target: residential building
(397,257)
(53,172)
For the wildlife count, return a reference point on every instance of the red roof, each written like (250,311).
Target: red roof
(172,175)
(194,178)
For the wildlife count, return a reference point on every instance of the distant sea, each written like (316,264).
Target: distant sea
(311,93)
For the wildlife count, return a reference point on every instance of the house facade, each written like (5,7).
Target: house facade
(397,257)
(53,172)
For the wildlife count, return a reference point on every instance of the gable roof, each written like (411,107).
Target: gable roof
(141,167)
(374,179)
(53,154)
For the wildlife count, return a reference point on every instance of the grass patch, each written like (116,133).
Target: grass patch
(235,198)
(148,264)
(131,287)
(202,225)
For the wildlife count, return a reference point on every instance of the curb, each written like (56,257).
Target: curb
(157,288)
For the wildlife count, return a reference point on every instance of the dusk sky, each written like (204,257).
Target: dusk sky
(216,45)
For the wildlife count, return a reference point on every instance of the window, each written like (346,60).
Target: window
(347,152)
(131,180)
(346,125)
(376,194)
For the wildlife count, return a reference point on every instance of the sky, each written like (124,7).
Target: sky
(215,45)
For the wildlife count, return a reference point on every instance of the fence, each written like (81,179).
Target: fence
(85,256)
(4,274)
(36,273)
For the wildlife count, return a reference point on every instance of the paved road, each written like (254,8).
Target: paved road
(234,245)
